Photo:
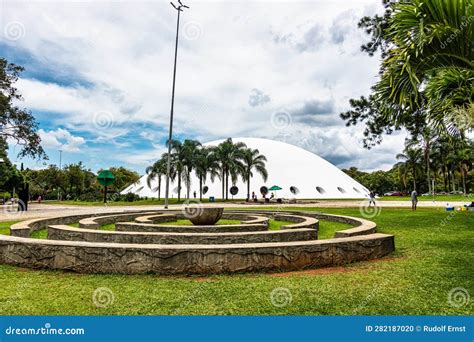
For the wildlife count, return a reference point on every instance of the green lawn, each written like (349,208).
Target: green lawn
(110,226)
(437,198)
(327,229)
(40,234)
(435,254)
(276,225)
(5,227)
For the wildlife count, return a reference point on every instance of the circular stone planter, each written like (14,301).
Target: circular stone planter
(202,216)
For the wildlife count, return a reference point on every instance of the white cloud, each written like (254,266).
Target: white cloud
(121,54)
(61,139)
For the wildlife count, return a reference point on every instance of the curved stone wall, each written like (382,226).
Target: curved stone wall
(67,233)
(138,247)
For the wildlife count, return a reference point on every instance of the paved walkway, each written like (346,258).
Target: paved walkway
(48,210)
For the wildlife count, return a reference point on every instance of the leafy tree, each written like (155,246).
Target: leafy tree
(46,182)
(80,180)
(123,177)
(432,49)
(426,75)
(378,181)
(10,177)
(17,124)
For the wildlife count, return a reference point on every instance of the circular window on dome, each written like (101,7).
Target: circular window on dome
(356,190)
(264,190)
(234,190)
(294,190)
(320,190)
(205,189)
(341,190)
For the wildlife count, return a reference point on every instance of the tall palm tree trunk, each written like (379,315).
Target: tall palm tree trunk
(159,188)
(449,180)
(179,186)
(223,183)
(200,188)
(463,176)
(248,187)
(188,184)
(227,186)
(444,178)
(454,180)
(428,175)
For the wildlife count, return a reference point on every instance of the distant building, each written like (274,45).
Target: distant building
(300,173)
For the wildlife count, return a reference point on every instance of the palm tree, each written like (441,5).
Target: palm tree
(157,170)
(465,157)
(425,138)
(229,156)
(178,161)
(431,54)
(412,158)
(402,171)
(189,152)
(206,163)
(252,159)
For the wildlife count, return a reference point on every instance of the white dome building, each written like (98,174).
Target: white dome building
(300,173)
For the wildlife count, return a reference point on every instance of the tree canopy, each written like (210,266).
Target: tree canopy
(426,73)
(17,124)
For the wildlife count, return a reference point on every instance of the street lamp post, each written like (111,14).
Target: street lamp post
(179,9)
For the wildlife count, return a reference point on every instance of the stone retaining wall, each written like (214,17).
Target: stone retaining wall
(25,228)
(172,249)
(96,222)
(87,257)
(141,227)
(73,234)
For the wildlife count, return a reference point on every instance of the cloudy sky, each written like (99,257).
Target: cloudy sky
(98,76)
